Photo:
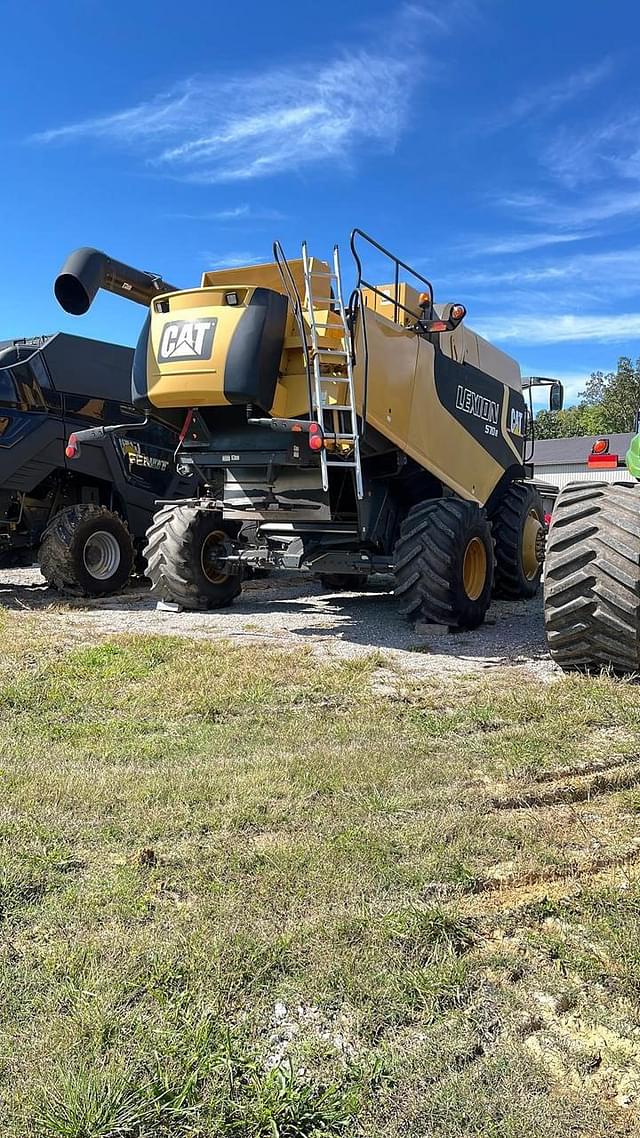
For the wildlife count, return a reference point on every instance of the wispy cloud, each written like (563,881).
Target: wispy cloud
(610,146)
(546,99)
(517,243)
(243,213)
(234,260)
(556,328)
(611,269)
(569,218)
(239,127)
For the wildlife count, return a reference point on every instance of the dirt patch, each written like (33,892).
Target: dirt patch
(289,610)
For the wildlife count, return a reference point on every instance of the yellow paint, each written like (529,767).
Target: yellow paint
(402,403)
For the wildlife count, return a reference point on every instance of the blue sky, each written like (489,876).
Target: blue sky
(495,144)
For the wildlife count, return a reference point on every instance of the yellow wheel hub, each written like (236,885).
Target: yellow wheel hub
(208,554)
(532,545)
(474,568)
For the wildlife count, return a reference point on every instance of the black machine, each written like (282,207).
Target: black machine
(82,516)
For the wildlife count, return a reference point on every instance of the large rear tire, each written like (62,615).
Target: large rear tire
(181,548)
(443,563)
(519,536)
(86,550)
(592,578)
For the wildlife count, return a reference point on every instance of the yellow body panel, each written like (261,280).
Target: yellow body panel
(402,397)
(406,296)
(194,382)
(403,405)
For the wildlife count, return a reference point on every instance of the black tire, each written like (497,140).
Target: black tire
(178,542)
(592,578)
(344,582)
(86,550)
(442,544)
(519,537)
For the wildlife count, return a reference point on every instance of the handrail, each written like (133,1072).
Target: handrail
(397,263)
(291,290)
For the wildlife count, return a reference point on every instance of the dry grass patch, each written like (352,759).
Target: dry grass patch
(245,894)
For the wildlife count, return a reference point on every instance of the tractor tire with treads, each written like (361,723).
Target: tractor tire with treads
(180,555)
(443,563)
(519,537)
(86,550)
(592,578)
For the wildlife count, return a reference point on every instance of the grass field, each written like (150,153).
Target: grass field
(243,894)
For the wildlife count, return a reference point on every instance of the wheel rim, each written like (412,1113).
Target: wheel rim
(101,555)
(474,568)
(532,545)
(209,555)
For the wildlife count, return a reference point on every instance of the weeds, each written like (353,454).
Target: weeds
(192,835)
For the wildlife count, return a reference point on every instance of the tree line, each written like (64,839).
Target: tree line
(608,403)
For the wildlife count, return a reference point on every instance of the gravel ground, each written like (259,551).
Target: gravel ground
(289,610)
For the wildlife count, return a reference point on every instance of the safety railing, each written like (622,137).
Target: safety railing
(397,266)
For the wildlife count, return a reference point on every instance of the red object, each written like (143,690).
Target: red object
(438,326)
(72,450)
(603,461)
(316,441)
(547,520)
(458,311)
(185,427)
(601,446)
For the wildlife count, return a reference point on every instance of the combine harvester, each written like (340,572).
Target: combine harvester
(341,439)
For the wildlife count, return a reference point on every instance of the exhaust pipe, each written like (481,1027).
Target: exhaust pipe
(87,270)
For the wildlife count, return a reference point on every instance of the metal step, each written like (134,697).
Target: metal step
(317,354)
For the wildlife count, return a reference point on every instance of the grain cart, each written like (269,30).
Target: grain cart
(84,521)
(341,439)
(592,572)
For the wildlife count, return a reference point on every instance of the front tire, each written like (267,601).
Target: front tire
(443,562)
(182,543)
(519,535)
(86,550)
(592,578)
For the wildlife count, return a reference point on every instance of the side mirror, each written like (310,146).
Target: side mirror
(556,390)
(556,396)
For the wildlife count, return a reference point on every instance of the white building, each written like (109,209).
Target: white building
(559,461)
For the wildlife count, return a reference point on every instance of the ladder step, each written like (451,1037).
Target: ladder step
(331,352)
(343,464)
(337,407)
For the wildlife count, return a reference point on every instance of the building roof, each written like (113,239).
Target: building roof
(552,452)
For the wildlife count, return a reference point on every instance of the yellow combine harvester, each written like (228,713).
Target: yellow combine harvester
(380,434)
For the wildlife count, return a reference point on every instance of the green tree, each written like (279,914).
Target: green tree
(608,403)
(621,397)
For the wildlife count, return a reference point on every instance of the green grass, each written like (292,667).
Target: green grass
(244,894)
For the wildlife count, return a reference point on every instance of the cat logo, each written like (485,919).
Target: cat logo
(516,423)
(187,340)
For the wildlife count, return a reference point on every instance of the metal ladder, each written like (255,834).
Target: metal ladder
(348,434)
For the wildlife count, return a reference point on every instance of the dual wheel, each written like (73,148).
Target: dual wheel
(450,558)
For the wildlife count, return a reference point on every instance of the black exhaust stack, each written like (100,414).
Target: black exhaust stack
(87,270)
